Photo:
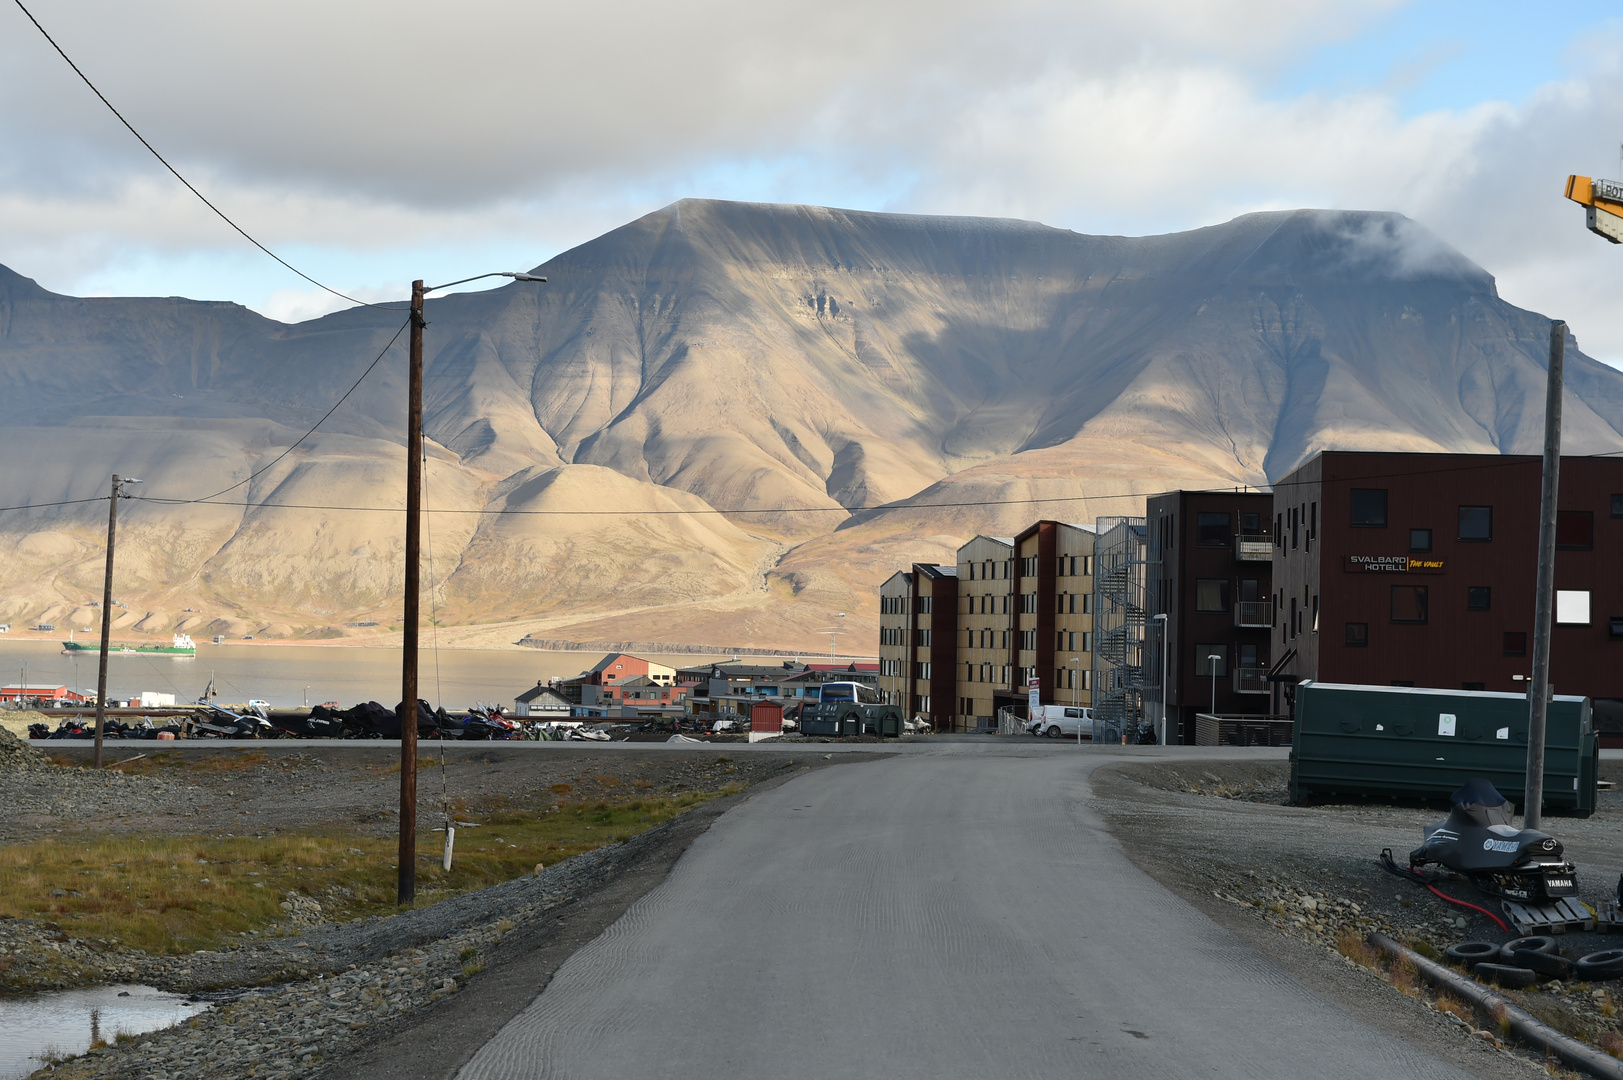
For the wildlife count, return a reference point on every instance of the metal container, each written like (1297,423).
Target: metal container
(1418,743)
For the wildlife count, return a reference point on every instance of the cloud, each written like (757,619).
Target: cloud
(370,136)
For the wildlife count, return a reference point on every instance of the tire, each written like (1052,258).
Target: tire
(1544,963)
(1052,733)
(1505,975)
(1601,966)
(1469,954)
(1543,943)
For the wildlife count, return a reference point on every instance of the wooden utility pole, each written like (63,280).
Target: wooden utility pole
(106,617)
(407,891)
(1538,687)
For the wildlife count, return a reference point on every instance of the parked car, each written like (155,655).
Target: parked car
(1061,721)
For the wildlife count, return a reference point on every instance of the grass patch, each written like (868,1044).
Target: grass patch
(171,895)
(146,764)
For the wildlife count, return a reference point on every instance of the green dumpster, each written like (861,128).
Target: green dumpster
(1417,743)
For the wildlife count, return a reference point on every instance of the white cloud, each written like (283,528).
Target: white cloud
(366,137)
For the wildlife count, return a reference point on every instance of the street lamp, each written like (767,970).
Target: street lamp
(1212,659)
(1165,722)
(1076,677)
(406,882)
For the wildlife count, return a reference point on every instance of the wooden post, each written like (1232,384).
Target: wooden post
(1538,687)
(407,881)
(106,617)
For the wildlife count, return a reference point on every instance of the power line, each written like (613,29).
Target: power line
(176,173)
(253,475)
(64,502)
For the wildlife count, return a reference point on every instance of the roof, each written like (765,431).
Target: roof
(603,664)
(939,570)
(537,693)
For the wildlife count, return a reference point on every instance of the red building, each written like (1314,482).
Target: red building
(1420,570)
(41,692)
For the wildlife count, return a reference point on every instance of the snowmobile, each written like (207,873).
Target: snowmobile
(1478,842)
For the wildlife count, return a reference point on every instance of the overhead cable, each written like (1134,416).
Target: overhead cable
(221,214)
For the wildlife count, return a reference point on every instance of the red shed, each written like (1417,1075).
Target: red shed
(766,716)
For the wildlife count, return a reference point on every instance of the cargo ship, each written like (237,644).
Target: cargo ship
(182,645)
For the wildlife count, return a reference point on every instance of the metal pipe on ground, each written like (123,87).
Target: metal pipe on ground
(1578,1054)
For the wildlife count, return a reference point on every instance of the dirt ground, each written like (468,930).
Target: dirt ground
(1302,882)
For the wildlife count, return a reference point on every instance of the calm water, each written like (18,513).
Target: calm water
(65,1023)
(279,674)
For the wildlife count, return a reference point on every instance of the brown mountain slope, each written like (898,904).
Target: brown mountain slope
(854,391)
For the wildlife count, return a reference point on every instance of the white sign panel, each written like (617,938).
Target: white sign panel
(1034,697)
(1445,723)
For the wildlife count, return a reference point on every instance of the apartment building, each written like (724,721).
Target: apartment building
(1211,595)
(1419,570)
(918,642)
(1052,645)
(985,617)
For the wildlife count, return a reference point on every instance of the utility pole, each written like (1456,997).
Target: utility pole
(407,880)
(107,608)
(1538,687)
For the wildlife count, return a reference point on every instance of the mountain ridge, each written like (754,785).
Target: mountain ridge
(826,377)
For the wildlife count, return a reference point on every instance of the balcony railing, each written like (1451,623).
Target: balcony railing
(1253,549)
(1251,680)
(1254,613)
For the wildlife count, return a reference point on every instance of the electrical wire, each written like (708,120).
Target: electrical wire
(1391,866)
(1466,904)
(259,472)
(221,214)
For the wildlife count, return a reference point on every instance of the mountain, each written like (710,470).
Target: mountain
(724,422)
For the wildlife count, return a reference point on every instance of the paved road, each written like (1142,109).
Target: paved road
(958,913)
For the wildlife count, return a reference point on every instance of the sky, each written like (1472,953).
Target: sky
(370,143)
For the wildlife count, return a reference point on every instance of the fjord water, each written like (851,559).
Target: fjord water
(279,674)
(70,1022)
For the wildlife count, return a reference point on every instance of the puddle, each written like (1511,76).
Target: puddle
(67,1022)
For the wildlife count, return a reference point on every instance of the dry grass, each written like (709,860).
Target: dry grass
(1354,947)
(177,894)
(1449,1004)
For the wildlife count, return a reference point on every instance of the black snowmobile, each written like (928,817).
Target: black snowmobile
(1477,841)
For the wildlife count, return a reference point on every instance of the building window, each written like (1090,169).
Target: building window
(1205,666)
(924,670)
(1357,635)
(1087,642)
(924,703)
(1028,639)
(1476,523)
(1617,505)
(1614,628)
(969,673)
(1572,607)
(1575,530)
(1028,566)
(1515,643)
(1409,603)
(1368,508)
(1251,524)
(1419,539)
(1473,686)
(1212,530)
(1478,598)
(1211,594)
(923,639)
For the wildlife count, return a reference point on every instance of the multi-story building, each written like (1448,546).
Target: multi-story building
(1420,570)
(985,616)
(1210,595)
(1051,637)
(918,644)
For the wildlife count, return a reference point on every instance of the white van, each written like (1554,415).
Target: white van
(1061,721)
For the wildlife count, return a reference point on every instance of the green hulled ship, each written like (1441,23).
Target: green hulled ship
(183,645)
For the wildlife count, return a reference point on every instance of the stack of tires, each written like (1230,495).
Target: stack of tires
(1525,960)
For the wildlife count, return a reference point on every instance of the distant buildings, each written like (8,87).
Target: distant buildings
(41,694)
(1387,569)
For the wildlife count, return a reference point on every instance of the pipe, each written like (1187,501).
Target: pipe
(1523,1026)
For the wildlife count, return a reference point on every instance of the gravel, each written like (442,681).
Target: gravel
(1224,831)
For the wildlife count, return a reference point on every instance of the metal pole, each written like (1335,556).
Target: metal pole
(1212,659)
(106,617)
(1538,688)
(407,881)
(1166,714)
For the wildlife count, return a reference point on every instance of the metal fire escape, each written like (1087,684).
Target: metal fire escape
(1120,579)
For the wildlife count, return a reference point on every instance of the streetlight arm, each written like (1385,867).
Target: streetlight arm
(514,274)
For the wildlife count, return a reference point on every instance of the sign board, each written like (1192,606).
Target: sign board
(1392,564)
(1604,223)
(1034,697)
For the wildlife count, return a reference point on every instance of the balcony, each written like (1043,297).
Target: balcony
(1254,613)
(1251,680)
(1253,549)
